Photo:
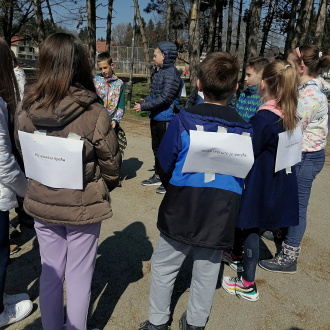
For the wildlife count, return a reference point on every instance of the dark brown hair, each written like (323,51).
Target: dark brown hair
(218,75)
(258,63)
(312,58)
(282,84)
(8,84)
(105,56)
(62,63)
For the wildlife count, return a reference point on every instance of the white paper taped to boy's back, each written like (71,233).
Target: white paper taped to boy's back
(221,153)
(53,161)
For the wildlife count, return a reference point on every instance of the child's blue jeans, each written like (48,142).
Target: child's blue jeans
(311,164)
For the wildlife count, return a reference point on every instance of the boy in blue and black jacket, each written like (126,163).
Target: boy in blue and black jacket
(165,91)
(249,101)
(196,213)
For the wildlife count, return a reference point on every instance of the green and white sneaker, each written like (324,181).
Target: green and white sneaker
(235,285)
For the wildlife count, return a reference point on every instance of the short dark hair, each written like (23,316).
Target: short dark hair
(104,56)
(258,63)
(218,75)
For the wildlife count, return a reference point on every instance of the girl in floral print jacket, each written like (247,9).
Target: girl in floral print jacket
(110,88)
(308,61)
(313,113)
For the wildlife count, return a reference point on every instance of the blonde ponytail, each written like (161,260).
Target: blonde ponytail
(281,84)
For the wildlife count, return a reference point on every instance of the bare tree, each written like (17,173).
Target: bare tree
(304,15)
(320,23)
(220,24)
(168,19)
(306,20)
(291,27)
(39,20)
(213,23)
(240,10)
(91,23)
(109,20)
(272,8)
(252,20)
(254,23)
(194,39)
(51,15)
(118,34)
(230,25)
(144,39)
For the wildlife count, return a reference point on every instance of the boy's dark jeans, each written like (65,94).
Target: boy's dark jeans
(158,129)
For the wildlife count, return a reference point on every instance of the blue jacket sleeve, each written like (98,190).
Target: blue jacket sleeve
(170,85)
(169,150)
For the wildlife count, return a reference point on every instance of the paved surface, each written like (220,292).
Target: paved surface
(121,280)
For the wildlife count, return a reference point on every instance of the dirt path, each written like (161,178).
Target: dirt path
(121,282)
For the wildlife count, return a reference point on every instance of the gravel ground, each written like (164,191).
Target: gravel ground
(121,280)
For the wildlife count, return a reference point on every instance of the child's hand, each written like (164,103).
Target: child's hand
(113,124)
(137,107)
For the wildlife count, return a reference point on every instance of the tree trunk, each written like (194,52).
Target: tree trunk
(39,20)
(213,23)
(7,20)
(168,19)
(303,15)
(306,21)
(230,25)
(193,48)
(144,39)
(109,26)
(291,28)
(252,42)
(267,25)
(129,87)
(239,25)
(51,15)
(321,18)
(220,26)
(91,22)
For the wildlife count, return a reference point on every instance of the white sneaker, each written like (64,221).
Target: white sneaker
(16,312)
(10,299)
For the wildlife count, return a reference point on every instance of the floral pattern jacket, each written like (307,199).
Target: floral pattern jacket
(313,114)
(112,92)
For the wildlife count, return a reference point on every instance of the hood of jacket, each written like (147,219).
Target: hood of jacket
(323,85)
(65,111)
(170,51)
(252,89)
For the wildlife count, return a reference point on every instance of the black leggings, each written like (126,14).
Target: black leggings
(4,252)
(247,240)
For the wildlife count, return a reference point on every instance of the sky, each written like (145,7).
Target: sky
(123,12)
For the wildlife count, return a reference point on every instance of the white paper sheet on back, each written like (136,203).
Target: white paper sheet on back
(53,161)
(221,153)
(289,149)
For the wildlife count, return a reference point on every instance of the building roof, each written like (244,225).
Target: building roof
(101,46)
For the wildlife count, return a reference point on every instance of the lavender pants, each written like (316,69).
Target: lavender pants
(67,253)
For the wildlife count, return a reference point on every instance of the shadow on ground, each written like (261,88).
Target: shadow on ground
(130,167)
(119,263)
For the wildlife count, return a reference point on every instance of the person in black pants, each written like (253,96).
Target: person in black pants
(164,94)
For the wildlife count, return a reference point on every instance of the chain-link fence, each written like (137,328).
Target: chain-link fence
(122,55)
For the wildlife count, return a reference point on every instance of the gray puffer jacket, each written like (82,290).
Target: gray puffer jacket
(101,160)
